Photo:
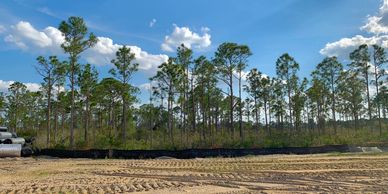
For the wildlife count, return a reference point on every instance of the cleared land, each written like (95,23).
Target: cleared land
(348,173)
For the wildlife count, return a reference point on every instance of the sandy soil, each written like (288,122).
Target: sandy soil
(263,174)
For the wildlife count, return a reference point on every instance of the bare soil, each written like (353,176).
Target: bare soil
(321,173)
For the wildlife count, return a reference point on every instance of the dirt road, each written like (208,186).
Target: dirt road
(348,173)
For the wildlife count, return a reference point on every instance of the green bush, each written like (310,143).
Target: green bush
(141,139)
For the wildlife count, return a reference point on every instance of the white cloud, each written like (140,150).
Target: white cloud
(105,50)
(344,46)
(4,85)
(243,74)
(148,61)
(148,86)
(152,22)
(24,36)
(145,86)
(376,25)
(183,35)
(33,87)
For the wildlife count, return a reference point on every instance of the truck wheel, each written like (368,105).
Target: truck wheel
(7,141)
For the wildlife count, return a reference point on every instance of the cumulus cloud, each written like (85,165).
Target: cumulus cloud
(378,24)
(105,50)
(26,37)
(344,46)
(148,61)
(4,85)
(33,87)
(152,23)
(183,35)
(375,25)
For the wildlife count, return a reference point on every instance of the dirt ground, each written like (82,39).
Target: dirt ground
(339,173)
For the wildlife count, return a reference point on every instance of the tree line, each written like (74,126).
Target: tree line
(199,101)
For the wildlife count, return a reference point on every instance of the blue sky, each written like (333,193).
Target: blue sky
(270,28)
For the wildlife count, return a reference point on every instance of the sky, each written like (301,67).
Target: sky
(307,30)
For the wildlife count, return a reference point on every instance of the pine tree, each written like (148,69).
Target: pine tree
(328,71)
(286,69)
(75,31)
(124,69)
(87,80)
(51,70)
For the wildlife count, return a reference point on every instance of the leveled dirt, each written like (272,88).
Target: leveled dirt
(263,174)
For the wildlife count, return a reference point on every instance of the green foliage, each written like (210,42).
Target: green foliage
(27,134)
(52,71)
(75,31)
(193,102)
(104,142)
